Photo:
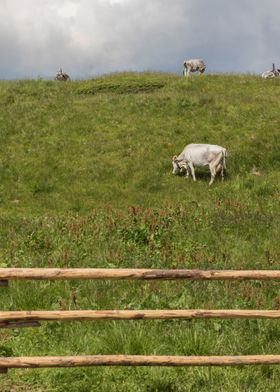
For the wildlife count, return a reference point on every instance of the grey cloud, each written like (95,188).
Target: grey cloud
(90,37)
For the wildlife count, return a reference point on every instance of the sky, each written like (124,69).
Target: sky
(93,37)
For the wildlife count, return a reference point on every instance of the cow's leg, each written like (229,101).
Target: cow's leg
(213,172)
(192,170)
(220,169)
(215,166)
(184,166)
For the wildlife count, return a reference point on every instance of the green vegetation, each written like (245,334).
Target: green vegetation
(85,181)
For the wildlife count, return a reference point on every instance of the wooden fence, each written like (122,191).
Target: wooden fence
(15,319)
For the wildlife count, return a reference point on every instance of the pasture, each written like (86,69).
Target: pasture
(85,181)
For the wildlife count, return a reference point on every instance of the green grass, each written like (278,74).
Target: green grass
(85,181)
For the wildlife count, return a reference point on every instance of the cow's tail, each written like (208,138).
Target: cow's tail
(224,158)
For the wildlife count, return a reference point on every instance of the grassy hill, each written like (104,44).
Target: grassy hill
(85,180)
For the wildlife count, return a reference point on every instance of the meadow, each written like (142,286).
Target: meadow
(85,181)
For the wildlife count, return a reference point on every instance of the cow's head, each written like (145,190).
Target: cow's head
(176,166)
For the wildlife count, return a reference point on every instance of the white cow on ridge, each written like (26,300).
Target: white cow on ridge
(194,65)
(271,74)
(62,76)
(201,155)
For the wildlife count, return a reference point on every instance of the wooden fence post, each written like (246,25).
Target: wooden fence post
(4,283)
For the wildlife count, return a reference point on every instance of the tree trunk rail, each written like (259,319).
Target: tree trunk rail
(32,318)
(135,360)
(7,274)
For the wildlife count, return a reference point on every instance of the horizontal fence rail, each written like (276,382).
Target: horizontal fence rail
(134,274)
(136,360)
(67,315)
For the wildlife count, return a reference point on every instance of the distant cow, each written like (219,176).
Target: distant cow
(62,76)
(194,65)
(271,74)
(201,155)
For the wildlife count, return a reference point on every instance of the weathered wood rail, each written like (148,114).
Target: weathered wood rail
(68,315)
(7,274)
(136,360)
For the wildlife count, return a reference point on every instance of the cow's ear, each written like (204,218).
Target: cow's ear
(174,158)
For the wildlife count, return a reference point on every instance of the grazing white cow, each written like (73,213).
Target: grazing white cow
(271,74)
(62,76)
(194,65)
(201,155)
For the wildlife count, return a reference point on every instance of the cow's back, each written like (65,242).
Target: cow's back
(195,62)
(201,154)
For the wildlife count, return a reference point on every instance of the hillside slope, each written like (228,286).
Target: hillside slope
(111,140)
(85,180)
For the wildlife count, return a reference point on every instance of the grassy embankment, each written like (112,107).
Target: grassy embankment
(86,181)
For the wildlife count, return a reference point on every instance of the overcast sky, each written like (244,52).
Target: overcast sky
(92,37)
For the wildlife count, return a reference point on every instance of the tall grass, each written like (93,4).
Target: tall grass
(85,171)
